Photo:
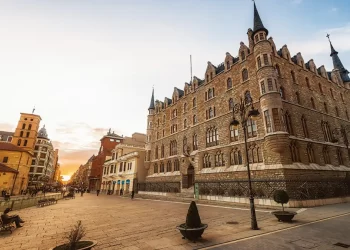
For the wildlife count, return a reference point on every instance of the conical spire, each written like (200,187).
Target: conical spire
(258,25)
(337,64)
(151,105)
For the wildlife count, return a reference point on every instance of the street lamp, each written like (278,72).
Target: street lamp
(241,109)
(343,132)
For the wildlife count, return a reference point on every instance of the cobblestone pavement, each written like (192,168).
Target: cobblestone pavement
(121,223)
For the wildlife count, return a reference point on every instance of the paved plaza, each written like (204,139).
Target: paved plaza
(121,223)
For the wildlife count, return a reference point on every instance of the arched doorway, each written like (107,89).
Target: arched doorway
(188,179)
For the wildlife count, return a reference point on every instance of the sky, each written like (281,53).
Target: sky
(90,65)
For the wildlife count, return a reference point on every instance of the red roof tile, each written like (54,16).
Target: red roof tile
(10,147)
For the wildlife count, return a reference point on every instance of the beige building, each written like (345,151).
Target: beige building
(125,168)
(297,143)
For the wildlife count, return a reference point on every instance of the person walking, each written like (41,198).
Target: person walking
(82,192)
(132,194)
(98,192)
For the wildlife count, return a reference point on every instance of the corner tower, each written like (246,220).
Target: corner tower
(150,118)
(276,139)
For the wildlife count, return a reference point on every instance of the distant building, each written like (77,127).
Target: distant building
(108,143)
(125,168)
(6,136)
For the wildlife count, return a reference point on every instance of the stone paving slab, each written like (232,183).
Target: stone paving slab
(121,223)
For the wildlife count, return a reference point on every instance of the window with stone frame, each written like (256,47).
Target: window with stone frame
(293,77)
(310,153)
(173,147)
(236,157)
(230,104)
(185,123)
(282,93)
(259,62)
(121,167)
(25,143)
(254,153)
(219,159)
(176,165)
(251,128)
(174,113)
(163,132)
(297,96)
(206,161)
(261,36)
(245,75)
(210,113)
(340,157)
(23,126)
(21,134)
(242,55)
(262,85)
(307,82)
(211,76)
(157,135)
(266,59)
(278,70)
(276,120)
(228,66)
(326,158)
(326,131)
(256,38)
(212,137)
(185,107)
(195,142)
(162,170)
(304,125)
(194,102)
(320,87)
(294,150)
(332,95)
(168,166)
(156,153)
(229,83)
(312,103)
(269,84)
(194,119)
(27,135)
(19,142)
(162,151)
(336,111)
(233,133)
(325,107)
(268,121)
(184,143)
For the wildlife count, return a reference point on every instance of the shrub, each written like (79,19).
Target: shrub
(193,220)
(281,197)
(75,235)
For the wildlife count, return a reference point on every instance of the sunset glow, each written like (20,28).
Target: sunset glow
(65,177)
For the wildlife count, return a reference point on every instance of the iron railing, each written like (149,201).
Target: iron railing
(166,187)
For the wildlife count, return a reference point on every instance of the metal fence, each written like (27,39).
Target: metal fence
(297,189)
(166,187)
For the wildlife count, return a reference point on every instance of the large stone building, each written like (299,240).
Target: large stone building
(296,143)
(125,168)
(108,143)
(43,167)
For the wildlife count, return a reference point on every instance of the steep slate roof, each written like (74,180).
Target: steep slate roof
(307,65)
(220,68)
(258,25)
(280,52)
(337,64)
(4,168)
(181,92)
(294,59)
(151,105)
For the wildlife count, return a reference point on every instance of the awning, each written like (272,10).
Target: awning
(127,181)
(123,182)
(118,181)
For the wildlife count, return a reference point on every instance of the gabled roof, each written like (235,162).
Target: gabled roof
(181,92)
(10,147)
(294,59)
(6,169)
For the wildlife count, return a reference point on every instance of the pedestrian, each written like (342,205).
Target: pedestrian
(132,194)
(82,192)
(122,190)
(98,192)
(6,219)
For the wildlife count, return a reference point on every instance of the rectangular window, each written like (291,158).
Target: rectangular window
(28,133)
(43,155)
(262,87)
(266,60)
(33,163)
(36,148)
(261,36)
(252,129)
(269,84)
(41,163)
(267,121)
(234,134)
(5,160)
(259,62)
(124,166)
(276,120)
(31,169)
(39,170)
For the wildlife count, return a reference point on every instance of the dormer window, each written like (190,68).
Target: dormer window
(244,75)
(261,36)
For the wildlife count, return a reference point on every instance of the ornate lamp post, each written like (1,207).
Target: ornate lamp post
(245,110)
(343,132)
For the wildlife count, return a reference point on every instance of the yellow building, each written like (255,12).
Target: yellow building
(14,169)
(27,131)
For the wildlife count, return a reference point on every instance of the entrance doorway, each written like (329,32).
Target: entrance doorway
(190,176)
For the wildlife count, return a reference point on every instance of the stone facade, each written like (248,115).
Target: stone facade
(302,109)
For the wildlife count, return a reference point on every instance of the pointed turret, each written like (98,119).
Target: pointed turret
(258,25)
(151,105)
(337,64)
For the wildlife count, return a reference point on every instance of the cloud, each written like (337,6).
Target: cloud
(7,127)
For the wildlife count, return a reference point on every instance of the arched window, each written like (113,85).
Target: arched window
(262,85)
(229,83)
(326,158)
(185,123)
(21,134)
(19,142)
(259,62)
(320,87)
(25,143)
(331,90)
(162,151)
(173,147)
(194,119)
(211,75)
(176,165)
(162,167)
(269,84)
(230,104)
(244,75)
(252,129)
(297,96)
(307,82)
(29,126)
(185,107)
(228,65)
(288,123)
(247,97)
(194,101)
(278,70)
(212,137)
(236,157)
(233,133)
(254,154)
(336,111)
(313,103)
(211,112)
(155,168)
(282,93)
(23,126)
(326,131)
(325,107)
(294,150)
(304,124)
(210,93)
(195,142)
(168,166)
(156,153)
(293,77)
(207,77)
(206,161)
(184,143)
(310,153)
(242,55)
(219,159)
(340,157)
